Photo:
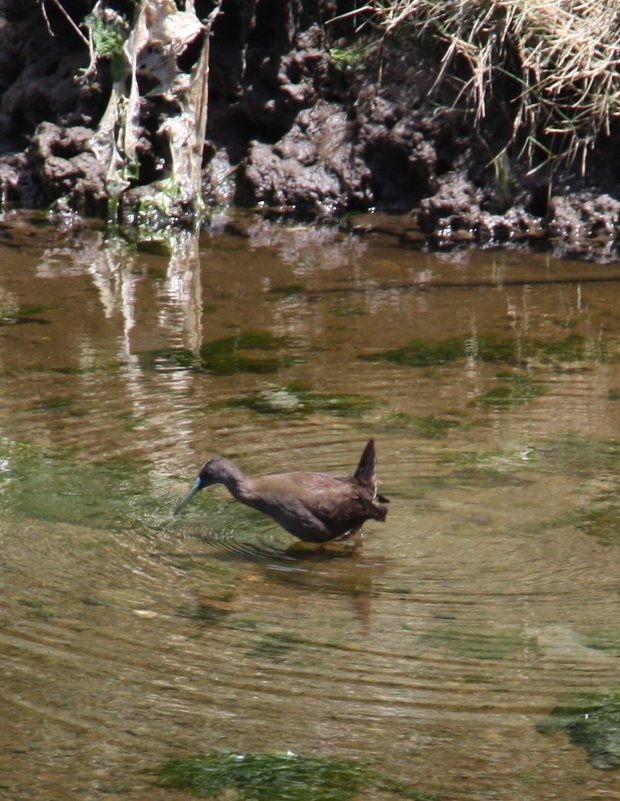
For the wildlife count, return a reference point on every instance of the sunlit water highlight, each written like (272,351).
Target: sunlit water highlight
(432,653)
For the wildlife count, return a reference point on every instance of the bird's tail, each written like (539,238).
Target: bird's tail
(366,471)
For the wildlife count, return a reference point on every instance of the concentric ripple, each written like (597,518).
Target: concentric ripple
(437,650)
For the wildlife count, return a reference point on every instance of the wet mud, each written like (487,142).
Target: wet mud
(305,119)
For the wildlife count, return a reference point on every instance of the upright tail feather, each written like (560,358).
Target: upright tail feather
(366,471)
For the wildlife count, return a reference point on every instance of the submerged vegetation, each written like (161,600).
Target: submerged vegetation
(298,400)
(600,517)
(592,721)
(278,777)
(55,485)
(476,643)
(490,349)
(512,392)
(251,352)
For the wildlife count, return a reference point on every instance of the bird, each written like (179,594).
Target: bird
(314,507)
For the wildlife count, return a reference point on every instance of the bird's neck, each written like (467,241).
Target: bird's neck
(236,482)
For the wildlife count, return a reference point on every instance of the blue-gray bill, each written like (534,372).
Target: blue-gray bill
(195,489)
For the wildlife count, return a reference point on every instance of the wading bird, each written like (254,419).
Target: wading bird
(315,507)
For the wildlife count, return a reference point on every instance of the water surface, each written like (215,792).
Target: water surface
(436,652)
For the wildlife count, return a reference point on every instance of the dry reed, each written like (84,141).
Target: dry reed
(563,56)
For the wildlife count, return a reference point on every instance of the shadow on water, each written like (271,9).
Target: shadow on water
(467,650)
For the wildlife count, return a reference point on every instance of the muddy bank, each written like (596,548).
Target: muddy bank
(305,118)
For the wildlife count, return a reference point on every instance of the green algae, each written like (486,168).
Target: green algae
(591,720)
(423,353)
(243,353)
(207,613)
(607,640)
(55,485)
(514,391)
(430,426)
(12,315)
(491,349)
(277,644)
(601,517)
(281,291)
(574,454)
(475,643)
(434,427)
(58,403)
(169,359)
(298,400)
(229,355)
(278,777)
(348,310)
(38,608)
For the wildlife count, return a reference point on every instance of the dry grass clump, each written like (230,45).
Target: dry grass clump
(564,56)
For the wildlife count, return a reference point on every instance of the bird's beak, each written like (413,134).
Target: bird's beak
(195,489)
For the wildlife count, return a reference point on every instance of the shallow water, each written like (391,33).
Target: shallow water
(435,652)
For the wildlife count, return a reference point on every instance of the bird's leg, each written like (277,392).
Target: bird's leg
(352,539)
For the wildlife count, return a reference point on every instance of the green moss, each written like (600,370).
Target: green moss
(298,400)
(277,777)
(476,643)
(353,57)
(592,721)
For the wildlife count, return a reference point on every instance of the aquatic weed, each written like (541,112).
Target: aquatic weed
(228,355)
(111,494)
(422,353)
(592,720)
(490,349)
(207,613)
(601,517)
(513,392)
(607,640)
(430,426)
(475,643)
(224,356)
(276,644)
(297,400)
(278,777)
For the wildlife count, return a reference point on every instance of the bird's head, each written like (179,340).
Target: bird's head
(212,472)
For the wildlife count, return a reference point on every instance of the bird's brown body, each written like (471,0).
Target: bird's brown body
(315,507)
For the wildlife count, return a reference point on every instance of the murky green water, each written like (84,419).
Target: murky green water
(469,650)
